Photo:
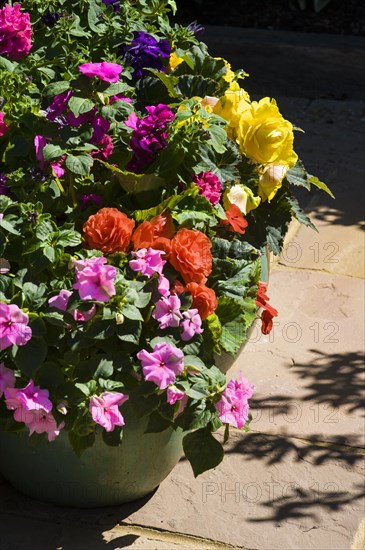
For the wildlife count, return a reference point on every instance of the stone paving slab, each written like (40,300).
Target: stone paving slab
(269,493)
(308,372)
(266,495)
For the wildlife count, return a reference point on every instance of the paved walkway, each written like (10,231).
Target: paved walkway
(296,481)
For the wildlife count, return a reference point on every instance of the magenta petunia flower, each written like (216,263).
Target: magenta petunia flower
(7,378)
(14,328)
(233,406)
(162,365)
(191,324)
(104,409)
(167,311)
(209,186)
(42,422)
(15,32)
(91,199)
(60,301)
(100,126)
(148,261)
(58,105)
(109,72)
(95,279)
(3,127)
(40,142)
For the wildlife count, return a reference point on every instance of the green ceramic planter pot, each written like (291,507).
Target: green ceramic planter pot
(102,476)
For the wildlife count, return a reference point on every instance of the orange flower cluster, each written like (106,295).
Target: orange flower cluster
(109,230)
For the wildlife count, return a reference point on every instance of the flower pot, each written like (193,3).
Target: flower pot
(101,476)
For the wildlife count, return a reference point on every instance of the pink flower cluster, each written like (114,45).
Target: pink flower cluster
(148,136)
(109,72)
(15,32)
(209,186)
(33,407)
(14,328)
(95,279)
(104,409)
(60,301)
(162,365)
(167,313)
(147,261)
(233,406)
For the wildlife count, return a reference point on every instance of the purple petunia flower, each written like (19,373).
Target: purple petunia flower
(91,200)
(4,189)
(148,136)
(145,52)
(58,105)
(115,4)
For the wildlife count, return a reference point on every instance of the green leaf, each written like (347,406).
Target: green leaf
(131,312)
(202,450)
(7,65)
(80,105)
(56,88)
(320,184)
(80,164)
(69,237)
(230,313)
(299,214)
(52,151)
(34,294)
(193,361)
(29,358)
(298,176)
(114,438)
(81,443)
(94,17)
(100,330)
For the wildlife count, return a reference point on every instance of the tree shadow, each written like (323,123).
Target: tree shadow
(336,379)
(273,449)
(299,503)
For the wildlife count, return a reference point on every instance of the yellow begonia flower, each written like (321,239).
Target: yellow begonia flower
(271,180)
(241,196)
(264,136)
(174,61)
(231,107)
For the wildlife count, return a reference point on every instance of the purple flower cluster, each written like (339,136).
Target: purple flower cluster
(148,136)
(145,52)
(209,186)
(115,4)
(4,189)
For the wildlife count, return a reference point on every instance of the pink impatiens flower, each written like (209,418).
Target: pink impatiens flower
(15,32)
(162,365)
(95,279)
(7,378)
(104,409)
(163,286)
(60,301)
(3,127)
(167,311)
(191,324)
(233,406)
(109,72)
(43,422)
(25,401)
(14,328)
(174,394)
(148,261)
(209,186)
